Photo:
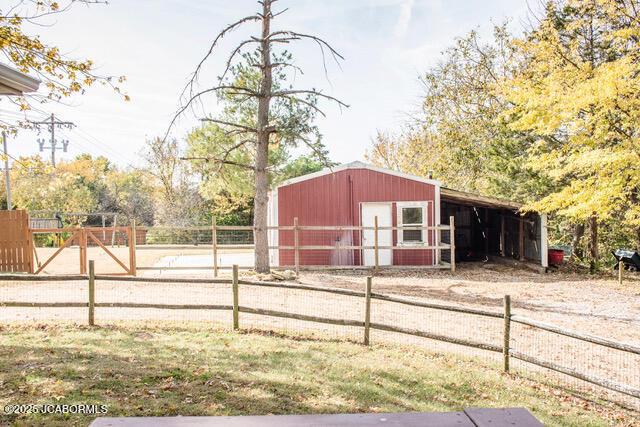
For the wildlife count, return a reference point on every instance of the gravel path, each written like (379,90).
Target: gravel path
(592,304)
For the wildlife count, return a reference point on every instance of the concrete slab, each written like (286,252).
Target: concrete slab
(518,417)
(502,417)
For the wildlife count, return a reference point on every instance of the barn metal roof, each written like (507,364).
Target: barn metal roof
(448,194)
(358,165)
(13,82)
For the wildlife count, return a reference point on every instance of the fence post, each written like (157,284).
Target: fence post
(507,331)
(82,242)
(236,320)
(214,243)
(92,292)
(620,270)
(375,244)
(296,242)
(452,239)
(132,248)
(367,310)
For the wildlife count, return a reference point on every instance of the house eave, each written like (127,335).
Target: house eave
(14,82)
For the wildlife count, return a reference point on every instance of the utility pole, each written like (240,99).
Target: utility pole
(6,170)
(51,125)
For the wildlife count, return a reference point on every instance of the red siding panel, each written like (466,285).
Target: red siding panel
(335,199)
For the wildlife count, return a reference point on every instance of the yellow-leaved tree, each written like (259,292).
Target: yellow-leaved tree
(61,75)
(578,90)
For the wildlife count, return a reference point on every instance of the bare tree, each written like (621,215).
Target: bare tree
(162,163)
(264,130)
(179,202)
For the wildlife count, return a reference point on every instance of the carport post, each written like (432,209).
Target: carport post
(367,310)
(503,242)
(507,331)
(92,292)
(236,320)
(452,242)
(521,238)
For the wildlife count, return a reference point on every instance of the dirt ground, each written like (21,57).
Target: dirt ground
(592,304)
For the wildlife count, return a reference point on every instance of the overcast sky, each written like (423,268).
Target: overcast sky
(387,44)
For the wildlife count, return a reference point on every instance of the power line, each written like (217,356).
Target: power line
(102,144)
(91,146)
(77,134)
(17,161)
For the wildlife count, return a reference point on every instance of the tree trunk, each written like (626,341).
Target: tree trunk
(593,243)
(262,150)
(576,241)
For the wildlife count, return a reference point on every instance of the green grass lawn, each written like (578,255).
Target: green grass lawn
(190,370)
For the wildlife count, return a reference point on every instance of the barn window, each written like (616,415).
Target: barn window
(411,214)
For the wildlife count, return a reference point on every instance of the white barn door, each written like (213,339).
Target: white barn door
(385,237)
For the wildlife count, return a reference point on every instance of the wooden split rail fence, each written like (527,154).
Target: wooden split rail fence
(82,236)
(437,246)
(506,316)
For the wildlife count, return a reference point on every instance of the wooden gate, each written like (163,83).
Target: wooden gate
(16,247)
(130,231)
(82,236)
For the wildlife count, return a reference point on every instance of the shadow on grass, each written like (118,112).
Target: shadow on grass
(150,376)
(185,371)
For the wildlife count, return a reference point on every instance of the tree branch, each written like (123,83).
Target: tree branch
(221,34)
(283,64)
(239,126)
(321,43)
(288,93)
(321,156)
(230,150)
(216,160)
(233,54)
(182,109)
(48,10)
(307,103)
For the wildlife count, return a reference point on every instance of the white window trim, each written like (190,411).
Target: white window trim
(425,219)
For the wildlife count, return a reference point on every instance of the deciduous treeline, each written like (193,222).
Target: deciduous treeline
(549,118)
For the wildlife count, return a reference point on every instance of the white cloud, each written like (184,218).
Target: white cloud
(406,8)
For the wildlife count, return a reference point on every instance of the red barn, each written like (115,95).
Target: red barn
(353,194)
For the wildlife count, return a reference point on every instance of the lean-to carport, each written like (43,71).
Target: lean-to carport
(488,227)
